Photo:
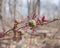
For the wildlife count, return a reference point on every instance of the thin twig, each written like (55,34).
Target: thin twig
(28,25)
(52,21)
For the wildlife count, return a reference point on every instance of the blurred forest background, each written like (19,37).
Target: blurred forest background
(21,9)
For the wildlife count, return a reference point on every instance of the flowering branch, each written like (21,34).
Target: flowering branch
(3,34)
(28,25)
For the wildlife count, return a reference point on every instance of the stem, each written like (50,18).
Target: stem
(52,21)
(28,25)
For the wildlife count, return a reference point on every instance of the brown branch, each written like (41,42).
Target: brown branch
(17,29)
(9,30)
(54,35)
(22,27)
(51,21)
(28,25)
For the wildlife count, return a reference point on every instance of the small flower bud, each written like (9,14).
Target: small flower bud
(21,32)
(17,21)
(32,23)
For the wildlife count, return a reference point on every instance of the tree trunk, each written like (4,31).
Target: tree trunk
(33,8)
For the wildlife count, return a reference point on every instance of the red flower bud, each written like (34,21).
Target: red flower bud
(43,19)
(38,21)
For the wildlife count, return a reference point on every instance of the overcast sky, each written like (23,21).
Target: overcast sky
(25,8)
(43,2)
